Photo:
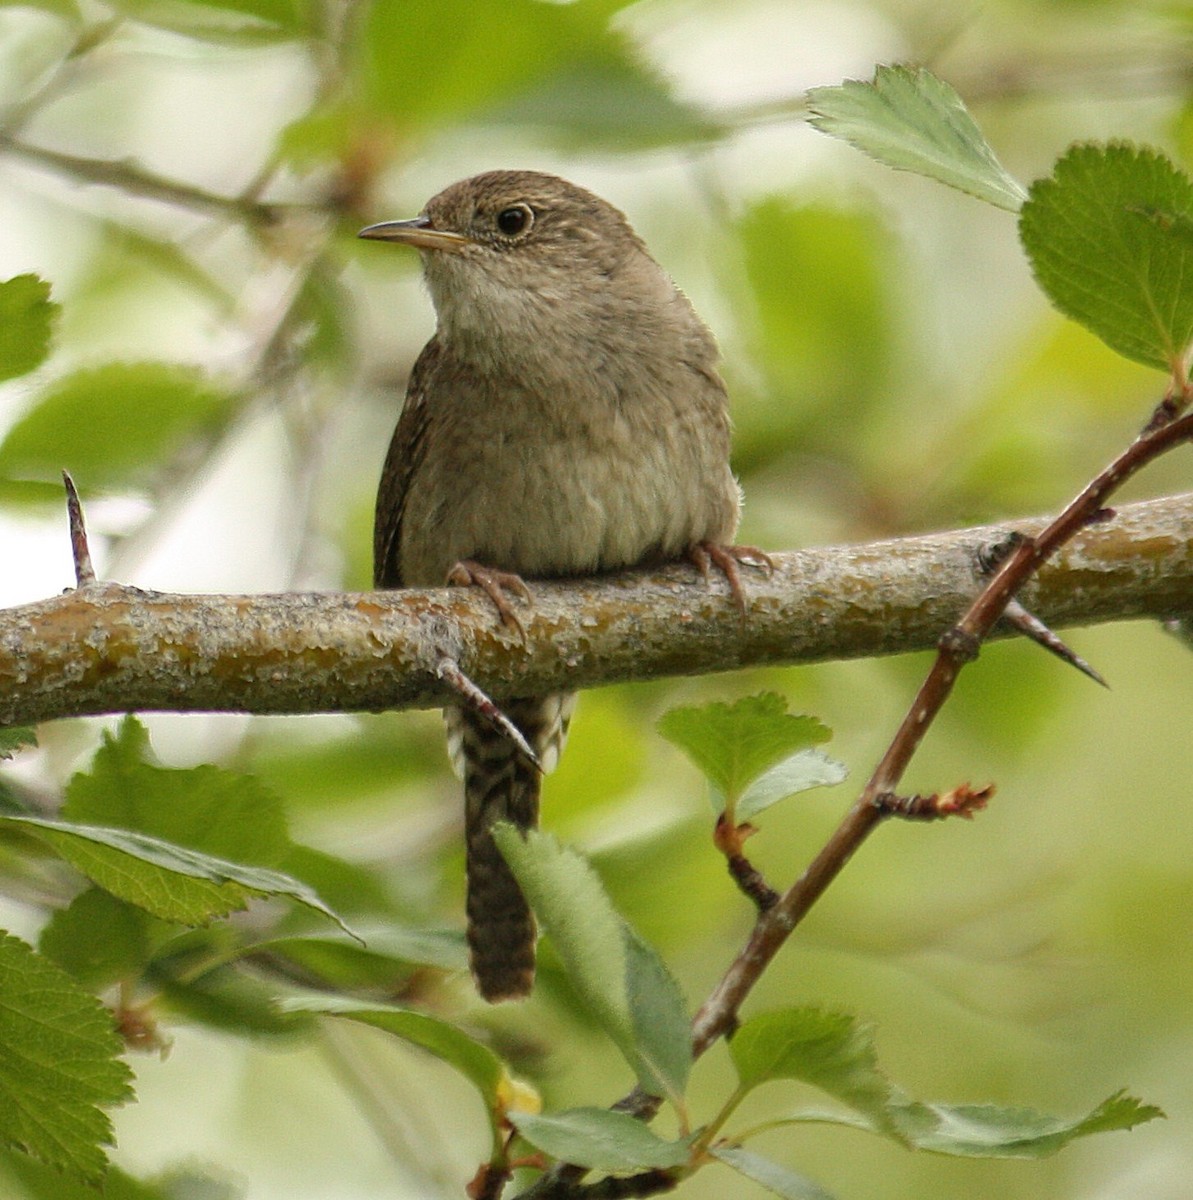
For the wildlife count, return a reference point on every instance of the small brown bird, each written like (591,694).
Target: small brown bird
(566,418)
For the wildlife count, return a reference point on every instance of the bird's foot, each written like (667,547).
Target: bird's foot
(726,559)
(494,584)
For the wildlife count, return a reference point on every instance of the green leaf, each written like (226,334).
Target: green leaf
(831,1051)
(834,1052)
(417,76)
(818,351)
(802,771)
(574,911)
(600,1139)
(112,426)
(986,1131)
(1110,242)
(226,999)
(910,120)
(97,938)
(27,317)
(57,1064)
(770,1175)
(127,262)
(615,103)
(13,737)
(603,958)
(39,1182)
(171,882)
(204,808)
(474,1060)
(734,743)
(388,958)
(659,1016)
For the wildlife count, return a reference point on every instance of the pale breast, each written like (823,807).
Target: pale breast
(518,481)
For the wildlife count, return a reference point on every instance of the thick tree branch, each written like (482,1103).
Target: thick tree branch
(108,648)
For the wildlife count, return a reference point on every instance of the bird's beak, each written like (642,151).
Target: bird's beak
(417,232)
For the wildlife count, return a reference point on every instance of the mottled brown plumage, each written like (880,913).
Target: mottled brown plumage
(566,418)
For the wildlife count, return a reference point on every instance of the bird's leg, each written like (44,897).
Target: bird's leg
(726,559)
(494,584)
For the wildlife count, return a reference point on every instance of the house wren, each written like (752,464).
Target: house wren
(566,418)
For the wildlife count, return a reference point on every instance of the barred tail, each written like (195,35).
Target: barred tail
(500,785)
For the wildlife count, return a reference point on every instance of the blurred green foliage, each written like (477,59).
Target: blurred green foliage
(189,178)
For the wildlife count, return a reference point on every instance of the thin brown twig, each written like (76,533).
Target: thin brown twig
(959,645)
(136,180)
(718,1016)
(729,838)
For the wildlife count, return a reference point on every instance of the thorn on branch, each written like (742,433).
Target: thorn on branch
(962,801)
(448,670)
(729,839)
(84,571)
(989,558)
(1018,617)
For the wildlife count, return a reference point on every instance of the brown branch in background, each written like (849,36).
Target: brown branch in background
(957,646)
(135,180)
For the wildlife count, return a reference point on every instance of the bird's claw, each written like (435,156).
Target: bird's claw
(494,584)
(726,559)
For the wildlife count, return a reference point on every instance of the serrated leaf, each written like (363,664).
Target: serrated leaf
(112,426)
(27,317)
(600,1139)
(598,951)
(13,737)
(802,771)
(1108,238)
(204,808)
(168,881)
(735,743)
(988,1131)
(908,119)
(58,1063)
(474,1060)
(574,911)
(830,1051)
(659,1016)
(770,1175)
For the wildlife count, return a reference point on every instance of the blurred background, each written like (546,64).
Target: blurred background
(228,368)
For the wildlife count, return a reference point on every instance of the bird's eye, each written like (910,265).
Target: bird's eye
(514,220)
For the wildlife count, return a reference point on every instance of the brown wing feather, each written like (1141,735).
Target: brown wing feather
(406,450)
